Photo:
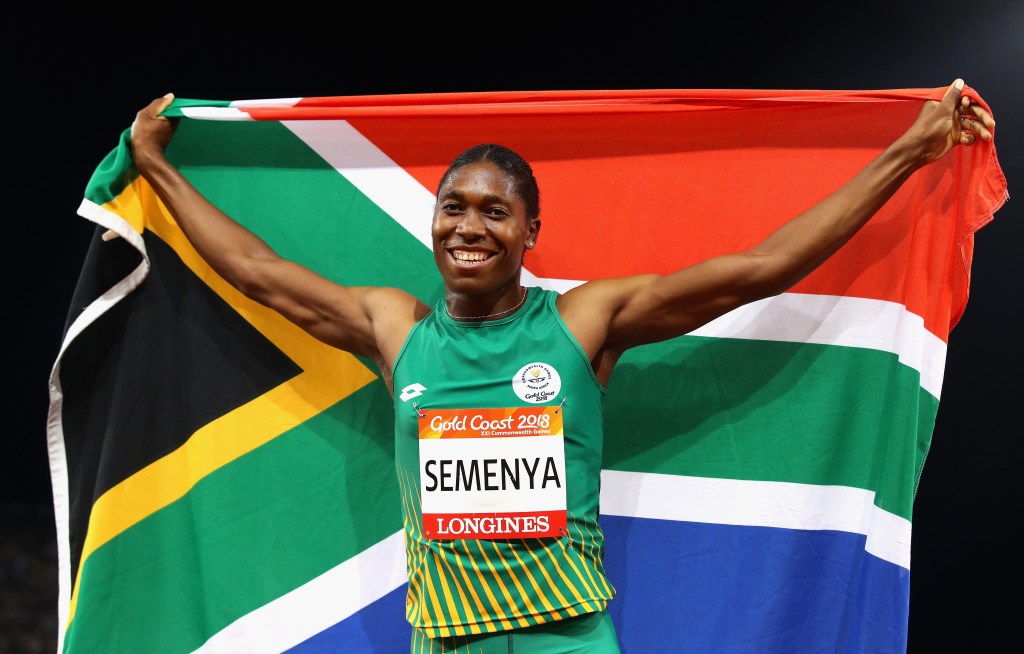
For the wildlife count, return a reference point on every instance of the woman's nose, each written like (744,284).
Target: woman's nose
(470,224)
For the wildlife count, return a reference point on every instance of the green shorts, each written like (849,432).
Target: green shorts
(591,633)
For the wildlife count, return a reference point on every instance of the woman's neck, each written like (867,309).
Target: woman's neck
(489,307)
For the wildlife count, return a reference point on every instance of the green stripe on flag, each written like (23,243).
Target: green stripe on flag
(772,411)
(304,209)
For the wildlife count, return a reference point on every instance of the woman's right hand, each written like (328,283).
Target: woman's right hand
(151,130)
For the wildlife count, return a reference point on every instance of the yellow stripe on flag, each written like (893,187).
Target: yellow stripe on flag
(328,376)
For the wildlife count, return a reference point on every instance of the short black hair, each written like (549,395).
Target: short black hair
(508,160)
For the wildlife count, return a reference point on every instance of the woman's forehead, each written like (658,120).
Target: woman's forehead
(480,177)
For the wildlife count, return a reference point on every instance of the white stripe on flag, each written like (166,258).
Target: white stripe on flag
(280,103)
(235,111)
(55,443)
(317,605)
(839,320)
(784,505)
(214,113)
(379,178)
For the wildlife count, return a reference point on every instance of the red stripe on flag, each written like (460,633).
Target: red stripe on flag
(630,193)
(638,181)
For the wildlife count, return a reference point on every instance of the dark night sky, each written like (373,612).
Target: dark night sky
(71,94)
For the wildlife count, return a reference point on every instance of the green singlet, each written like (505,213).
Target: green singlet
(498,437)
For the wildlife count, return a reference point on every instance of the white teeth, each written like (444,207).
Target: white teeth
(469,256)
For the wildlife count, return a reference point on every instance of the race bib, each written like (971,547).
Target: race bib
(492,473)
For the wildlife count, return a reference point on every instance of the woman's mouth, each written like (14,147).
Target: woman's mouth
(470,257)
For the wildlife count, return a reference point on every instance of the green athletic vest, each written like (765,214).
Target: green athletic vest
(501,374)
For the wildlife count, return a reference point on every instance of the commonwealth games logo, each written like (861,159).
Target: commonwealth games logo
(536,382)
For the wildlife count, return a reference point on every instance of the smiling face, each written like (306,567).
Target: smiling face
(480,230)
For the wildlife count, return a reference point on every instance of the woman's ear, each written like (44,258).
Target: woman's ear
(531,239)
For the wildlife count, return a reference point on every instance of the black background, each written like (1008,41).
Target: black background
(71,92)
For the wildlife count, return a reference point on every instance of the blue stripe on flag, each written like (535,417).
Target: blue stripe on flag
(380,627)
(698,587)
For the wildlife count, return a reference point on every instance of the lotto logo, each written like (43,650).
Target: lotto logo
(411,391)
